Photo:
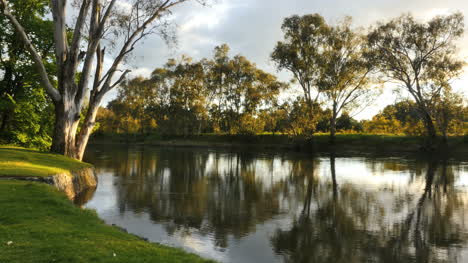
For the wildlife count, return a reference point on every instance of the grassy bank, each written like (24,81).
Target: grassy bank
(345,143)
(15,161)
(39,224)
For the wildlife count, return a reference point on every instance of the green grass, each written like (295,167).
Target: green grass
(38,224)
(16,161)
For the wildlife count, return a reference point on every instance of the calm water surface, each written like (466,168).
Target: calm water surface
(253,207)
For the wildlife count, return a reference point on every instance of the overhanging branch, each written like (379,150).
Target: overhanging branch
(36,57)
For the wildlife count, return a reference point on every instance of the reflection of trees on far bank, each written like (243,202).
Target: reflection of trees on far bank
(349,225)
(333,217)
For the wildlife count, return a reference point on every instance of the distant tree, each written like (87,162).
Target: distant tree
(345,74)
(134,100)
(298,122)
(421,57)
(305,38)
(406,112)
(107,121)
(97,23)
(346,123)
(449,113)
(381,125)
(187,96)
(239,88)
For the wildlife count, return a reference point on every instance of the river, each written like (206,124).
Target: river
(238,206)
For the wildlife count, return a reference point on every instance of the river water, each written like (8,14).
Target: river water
(285,207)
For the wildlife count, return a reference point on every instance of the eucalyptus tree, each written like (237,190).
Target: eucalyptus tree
(187,95)
(240,88)
(98,22)
(345,73)
(133,103)
(300,51)
(421,57)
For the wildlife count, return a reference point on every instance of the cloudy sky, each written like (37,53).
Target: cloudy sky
(252,28)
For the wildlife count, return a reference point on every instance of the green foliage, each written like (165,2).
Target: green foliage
(229,94)
(305,39)
(26,114)
(421,56)
(185,97)
(403,118)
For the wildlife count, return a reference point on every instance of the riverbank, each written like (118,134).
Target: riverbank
(21,162)
(39,224)
(345,144)
(67,175)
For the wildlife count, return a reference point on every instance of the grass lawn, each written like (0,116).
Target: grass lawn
(16,161)
(39,224)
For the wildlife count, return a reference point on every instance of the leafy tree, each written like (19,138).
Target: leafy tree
(421,57)
(304,41)
(97,23)
(399,118)
(133,103)
(345,73)
(187,96)
(449,113)
(25,111)
(239,88)
(298,121)
(346,123)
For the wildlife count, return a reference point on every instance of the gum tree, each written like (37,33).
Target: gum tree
(121,24)
(420,57)
(345,73)
(300,52)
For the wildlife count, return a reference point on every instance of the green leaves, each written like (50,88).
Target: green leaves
(26,115)
(419,55)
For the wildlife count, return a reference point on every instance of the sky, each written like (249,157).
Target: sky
(252,28)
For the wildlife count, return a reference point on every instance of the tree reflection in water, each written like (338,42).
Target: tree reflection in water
(328,212)
(347,227)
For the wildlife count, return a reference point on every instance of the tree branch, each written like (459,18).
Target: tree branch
(60,34)
(77,36)
(36,57)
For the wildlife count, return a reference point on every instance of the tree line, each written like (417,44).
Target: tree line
(340,70)
(53,78)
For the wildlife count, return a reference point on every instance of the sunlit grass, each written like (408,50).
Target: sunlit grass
(16,161)
(38,224)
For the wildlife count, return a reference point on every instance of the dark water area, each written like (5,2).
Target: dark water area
(285,207)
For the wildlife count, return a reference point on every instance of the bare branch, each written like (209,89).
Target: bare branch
(60,33)
(77,36)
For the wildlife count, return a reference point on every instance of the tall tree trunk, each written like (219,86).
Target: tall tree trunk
(66,124)
(333,125)
(310,105)
(87,127)
(68,98)
(430,128)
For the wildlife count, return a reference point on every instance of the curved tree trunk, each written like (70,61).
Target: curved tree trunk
(88,125)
